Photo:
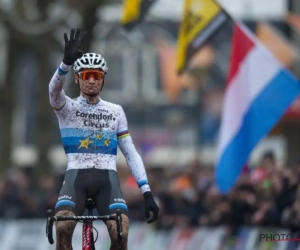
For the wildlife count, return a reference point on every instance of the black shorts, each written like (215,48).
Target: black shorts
(101,185)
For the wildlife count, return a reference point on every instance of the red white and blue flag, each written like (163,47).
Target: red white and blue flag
(258,93)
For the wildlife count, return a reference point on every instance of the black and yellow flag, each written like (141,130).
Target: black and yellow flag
(201,19)
(134,12)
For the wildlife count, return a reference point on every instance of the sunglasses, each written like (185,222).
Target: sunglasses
(96,74)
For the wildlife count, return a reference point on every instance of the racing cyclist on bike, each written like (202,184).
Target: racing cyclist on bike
(91,129)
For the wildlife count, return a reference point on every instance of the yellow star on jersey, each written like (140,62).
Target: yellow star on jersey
(106,142)
(85,143)
(99,136)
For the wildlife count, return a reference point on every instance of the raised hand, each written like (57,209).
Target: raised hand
(73,46)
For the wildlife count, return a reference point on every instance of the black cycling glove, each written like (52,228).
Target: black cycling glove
(150,205)
(72,46)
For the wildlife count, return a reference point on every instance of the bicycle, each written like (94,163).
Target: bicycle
(88,242)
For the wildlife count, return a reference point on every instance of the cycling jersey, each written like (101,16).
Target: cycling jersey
(91,133)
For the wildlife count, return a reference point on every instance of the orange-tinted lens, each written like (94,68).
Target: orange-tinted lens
(86,75)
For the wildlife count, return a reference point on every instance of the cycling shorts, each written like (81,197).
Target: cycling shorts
(101,185)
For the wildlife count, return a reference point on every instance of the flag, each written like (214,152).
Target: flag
(167,58)
(278,44)
(259,90)
(293,20)
(134,12)
(201,19)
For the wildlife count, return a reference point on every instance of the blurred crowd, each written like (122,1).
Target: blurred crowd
(265,195)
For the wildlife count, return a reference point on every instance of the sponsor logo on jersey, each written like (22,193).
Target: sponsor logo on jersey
(95,116)
(103,110)
(93,120)
(95,125)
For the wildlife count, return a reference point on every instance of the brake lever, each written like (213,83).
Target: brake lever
(119,226)
(49,227)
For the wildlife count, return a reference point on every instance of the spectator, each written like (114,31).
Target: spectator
(187,195)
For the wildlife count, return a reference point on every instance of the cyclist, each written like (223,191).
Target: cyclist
(91,129)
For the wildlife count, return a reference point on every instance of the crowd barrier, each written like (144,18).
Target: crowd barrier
(30,235)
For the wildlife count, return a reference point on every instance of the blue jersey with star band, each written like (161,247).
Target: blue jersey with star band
(89,141)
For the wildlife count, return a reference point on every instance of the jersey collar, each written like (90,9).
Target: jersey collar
(84,100)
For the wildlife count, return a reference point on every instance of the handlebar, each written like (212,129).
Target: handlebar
(51,219)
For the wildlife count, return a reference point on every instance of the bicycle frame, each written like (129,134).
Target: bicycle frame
(87,235)
(87,228)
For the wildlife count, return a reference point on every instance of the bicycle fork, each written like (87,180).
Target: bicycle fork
(87,234)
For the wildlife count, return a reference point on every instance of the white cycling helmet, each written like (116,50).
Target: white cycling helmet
(90,61)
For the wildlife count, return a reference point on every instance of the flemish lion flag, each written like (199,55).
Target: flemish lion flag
(134,12)
(201,19)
